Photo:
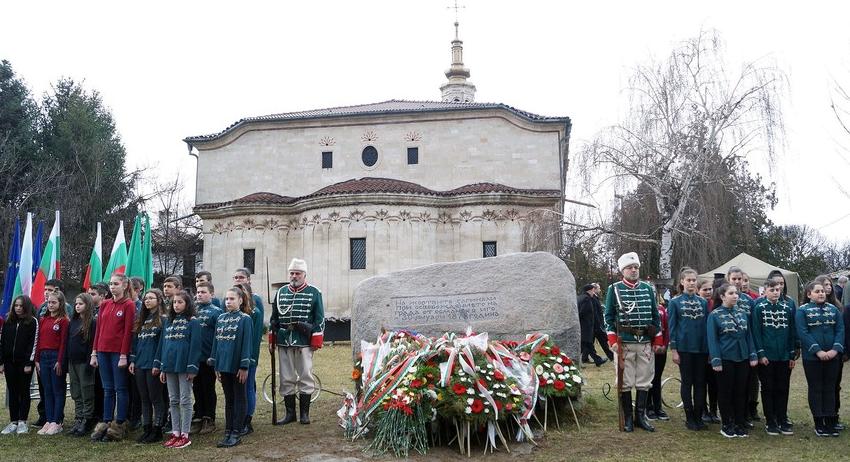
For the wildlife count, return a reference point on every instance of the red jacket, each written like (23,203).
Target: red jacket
(665,331)
(52,333)
(114,331)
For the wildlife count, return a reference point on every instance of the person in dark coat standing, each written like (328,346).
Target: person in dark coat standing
(599,323)
(587,321)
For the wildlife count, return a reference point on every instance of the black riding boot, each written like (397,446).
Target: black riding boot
(640,411)
(289,404)
(626,404)
(304,407)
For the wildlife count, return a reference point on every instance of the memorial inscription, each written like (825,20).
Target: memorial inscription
(468,307)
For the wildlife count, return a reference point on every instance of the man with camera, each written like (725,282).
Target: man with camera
(297,326)
(633,325)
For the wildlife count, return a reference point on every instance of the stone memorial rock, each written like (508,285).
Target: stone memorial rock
(507,296)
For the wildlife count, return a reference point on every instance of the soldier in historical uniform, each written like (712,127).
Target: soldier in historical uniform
(634,331)
(297,328)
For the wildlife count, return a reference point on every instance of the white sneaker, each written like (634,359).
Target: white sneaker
(11,428)
(23,428)
(55,429)
(45,428)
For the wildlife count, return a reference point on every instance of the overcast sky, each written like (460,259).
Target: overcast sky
(173,69)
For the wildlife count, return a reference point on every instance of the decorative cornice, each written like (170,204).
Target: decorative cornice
(464,215)
(348,200)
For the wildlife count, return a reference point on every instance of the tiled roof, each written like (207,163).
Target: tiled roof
(393,106)
(379,185)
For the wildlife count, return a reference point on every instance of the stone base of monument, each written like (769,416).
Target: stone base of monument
(507,296)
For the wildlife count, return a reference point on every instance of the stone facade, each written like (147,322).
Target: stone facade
(485,173)
(397,237)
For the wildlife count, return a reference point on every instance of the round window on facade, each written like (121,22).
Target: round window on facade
(370,156)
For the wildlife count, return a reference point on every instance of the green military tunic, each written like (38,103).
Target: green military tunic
(638,313)
(299,305)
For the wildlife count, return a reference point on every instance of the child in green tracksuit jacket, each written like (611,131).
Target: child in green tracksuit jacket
(178,355)
(774,336)
(231,357)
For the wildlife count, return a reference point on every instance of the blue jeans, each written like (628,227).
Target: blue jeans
(54,386)
(251,388)
(114,383)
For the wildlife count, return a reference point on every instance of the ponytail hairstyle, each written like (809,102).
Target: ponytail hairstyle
(245,304)
(830,297)
(86,316)
(249,297)
(684,272)
(145,313)
(128,290)
(60,297)
(189,312)
(724,286)
(808,290)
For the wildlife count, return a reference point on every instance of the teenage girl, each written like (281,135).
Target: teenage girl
(231,357)
(709,411)
(17,359)
(732,353)
(112,340)
(146,334)
(80,340)
(178,355)
(49,358)
(688,314)
(820,327)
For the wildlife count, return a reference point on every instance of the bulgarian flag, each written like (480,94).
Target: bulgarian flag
(49,267)
(118,258)
(94,271)
(23,284)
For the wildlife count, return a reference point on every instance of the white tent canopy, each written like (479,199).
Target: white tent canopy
(758,270)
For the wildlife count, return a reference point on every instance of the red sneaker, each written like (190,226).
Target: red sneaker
(182,443)
(170,443)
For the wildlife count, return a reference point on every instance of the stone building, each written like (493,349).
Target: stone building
(363,190)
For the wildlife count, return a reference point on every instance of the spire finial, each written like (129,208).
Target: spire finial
(457,88)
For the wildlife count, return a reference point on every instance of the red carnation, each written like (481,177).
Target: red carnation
(459,389)
(555,350)
(477,406)
(559,385)
(482,383)
(498,375)
(416,383)
(567,360)
(499,405)
(541,379)
(543,350)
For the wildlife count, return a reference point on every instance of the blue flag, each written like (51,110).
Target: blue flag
(36,248)
(11,269)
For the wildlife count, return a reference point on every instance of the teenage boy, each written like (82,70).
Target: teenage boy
(735,276)
(203,386)
(774,336)
(206,276)
(98,293)
(170,287)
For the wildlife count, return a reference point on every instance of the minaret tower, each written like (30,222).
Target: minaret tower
(458,89)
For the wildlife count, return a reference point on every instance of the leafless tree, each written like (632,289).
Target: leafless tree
(686,115)
(176,231)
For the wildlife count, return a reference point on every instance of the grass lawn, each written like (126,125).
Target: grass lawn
(598,438)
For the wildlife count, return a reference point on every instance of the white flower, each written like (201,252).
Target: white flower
(486,410)
(489,366)
(470,391)
(560,360)
(477,368)
(468,410)
(553,358)
(431,394)
(546,375)
(577,379)
(469,401)
(561,376)
(539,369)
(460,373)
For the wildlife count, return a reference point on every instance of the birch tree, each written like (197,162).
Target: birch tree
(686,115)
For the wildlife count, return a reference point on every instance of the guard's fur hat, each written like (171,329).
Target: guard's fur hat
(298,265)
(630,258)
